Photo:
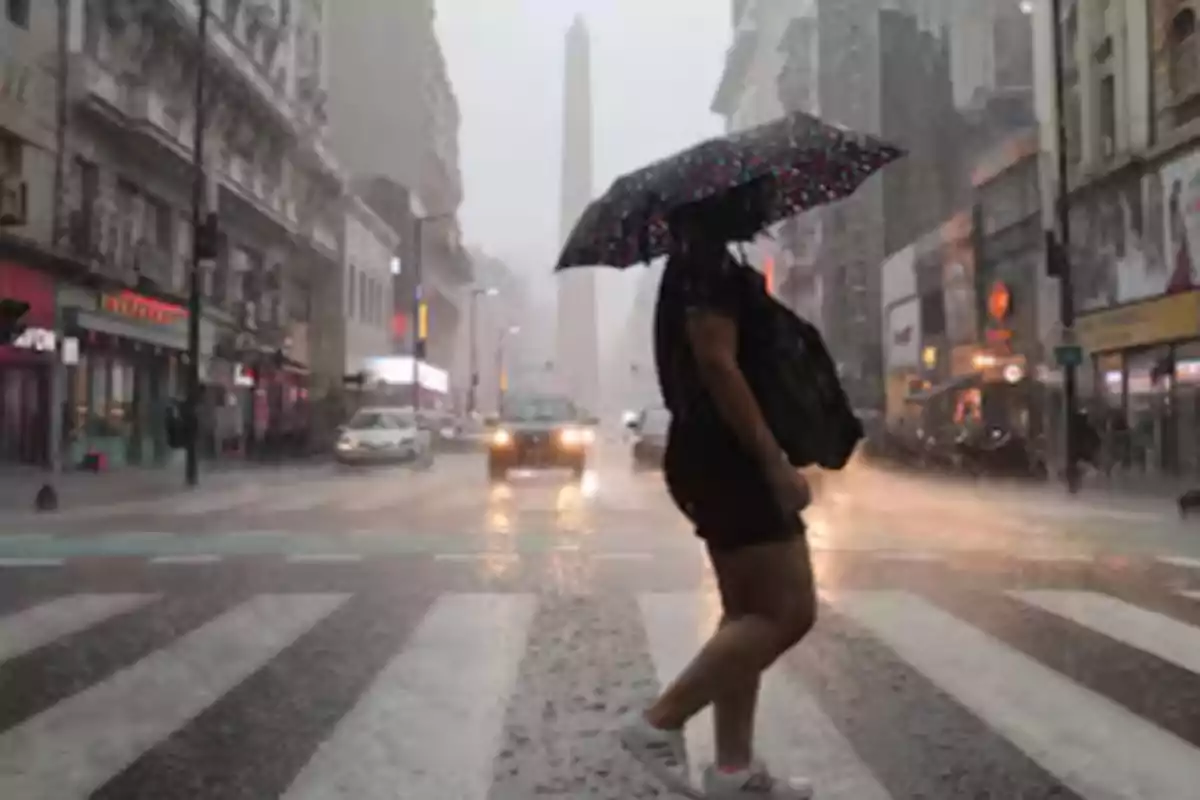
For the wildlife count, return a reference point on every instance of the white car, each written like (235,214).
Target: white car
(378,435)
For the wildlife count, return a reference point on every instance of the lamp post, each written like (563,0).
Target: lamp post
(1058,261)
(472,313)
(418,307)
(203,229)
(501,378)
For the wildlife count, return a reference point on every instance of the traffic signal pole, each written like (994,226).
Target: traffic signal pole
(418,350)
(1059,257)
(192,415)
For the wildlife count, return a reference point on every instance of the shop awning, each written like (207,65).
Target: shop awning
(939,389)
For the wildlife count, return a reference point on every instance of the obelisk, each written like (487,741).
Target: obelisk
(577,362)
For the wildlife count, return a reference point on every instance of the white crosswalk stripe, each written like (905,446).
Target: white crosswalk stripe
(42,624)
(71,749)
(455,678)
(1091,744)
(431,717)
(1164,637)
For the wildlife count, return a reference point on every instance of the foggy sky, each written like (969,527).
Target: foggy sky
(655,66)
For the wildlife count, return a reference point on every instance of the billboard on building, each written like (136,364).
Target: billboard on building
(1139,238)
(901,309)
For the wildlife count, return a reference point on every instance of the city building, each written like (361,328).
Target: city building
(28,37)
(357,308)
(748,95)
(577,363)
(507,332)
(1131,89)
(402,152)
(107,268)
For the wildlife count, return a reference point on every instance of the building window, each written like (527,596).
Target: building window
(1108,116)
(18,13)
(1183,52)
(11,152)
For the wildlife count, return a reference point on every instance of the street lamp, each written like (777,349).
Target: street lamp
(472,312)
(501,378)
(418,350)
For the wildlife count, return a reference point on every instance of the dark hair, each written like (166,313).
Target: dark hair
(734,216)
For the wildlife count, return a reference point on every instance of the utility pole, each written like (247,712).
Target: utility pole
(418,349)
(473,350)
(203,230)
(48,495)
(1058,257)
(419,312)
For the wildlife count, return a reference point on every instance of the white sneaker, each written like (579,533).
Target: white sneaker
(663,753)
(755,783)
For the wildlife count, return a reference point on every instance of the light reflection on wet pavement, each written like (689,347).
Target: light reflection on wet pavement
(426,635)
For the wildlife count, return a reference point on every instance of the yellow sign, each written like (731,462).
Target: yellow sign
(504,380)
(423,322)
(1174,317)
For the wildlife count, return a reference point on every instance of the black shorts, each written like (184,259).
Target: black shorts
(725,495)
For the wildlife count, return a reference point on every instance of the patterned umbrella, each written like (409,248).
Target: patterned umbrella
(798,162)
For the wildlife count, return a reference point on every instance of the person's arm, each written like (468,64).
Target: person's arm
(713,337)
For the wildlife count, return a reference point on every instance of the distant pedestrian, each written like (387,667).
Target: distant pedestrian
(730,477)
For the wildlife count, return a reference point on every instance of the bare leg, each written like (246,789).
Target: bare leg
(733,721)
(771,584)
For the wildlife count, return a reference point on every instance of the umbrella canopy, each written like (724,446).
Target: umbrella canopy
(795,163)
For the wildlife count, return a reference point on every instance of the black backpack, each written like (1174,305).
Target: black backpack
(795,381)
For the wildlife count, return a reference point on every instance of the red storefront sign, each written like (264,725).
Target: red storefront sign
(141,308)
(36,288)
(19,282)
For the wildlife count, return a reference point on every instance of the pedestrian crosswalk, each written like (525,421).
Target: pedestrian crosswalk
(899,693)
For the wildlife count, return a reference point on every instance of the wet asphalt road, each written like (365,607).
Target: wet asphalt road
(401,634)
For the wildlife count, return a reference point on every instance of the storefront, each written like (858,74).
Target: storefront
(1145,380)
(25,367)
(132,366)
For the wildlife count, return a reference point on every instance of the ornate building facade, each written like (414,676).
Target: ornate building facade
(121,252)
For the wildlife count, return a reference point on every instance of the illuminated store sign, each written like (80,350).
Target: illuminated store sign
(143,309)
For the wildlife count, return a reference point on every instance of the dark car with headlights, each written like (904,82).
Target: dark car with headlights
(539,432)
(649,431)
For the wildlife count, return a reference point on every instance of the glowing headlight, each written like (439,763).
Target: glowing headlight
(345,445)
(574,437)
(501,438)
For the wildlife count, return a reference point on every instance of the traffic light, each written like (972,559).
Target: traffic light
(206,238)
(1055,256)
(11,313)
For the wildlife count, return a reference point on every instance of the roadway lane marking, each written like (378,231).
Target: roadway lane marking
(1180,561)
(797,737)
(74,747)
(38,626)
(450,683)
(324,558)
(1050,558)
(623,556)
(476,556)
(187,558)
(31,562)
(1091,744)
(1144,630)
(909,555)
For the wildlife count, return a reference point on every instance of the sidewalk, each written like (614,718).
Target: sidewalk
(77,489)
